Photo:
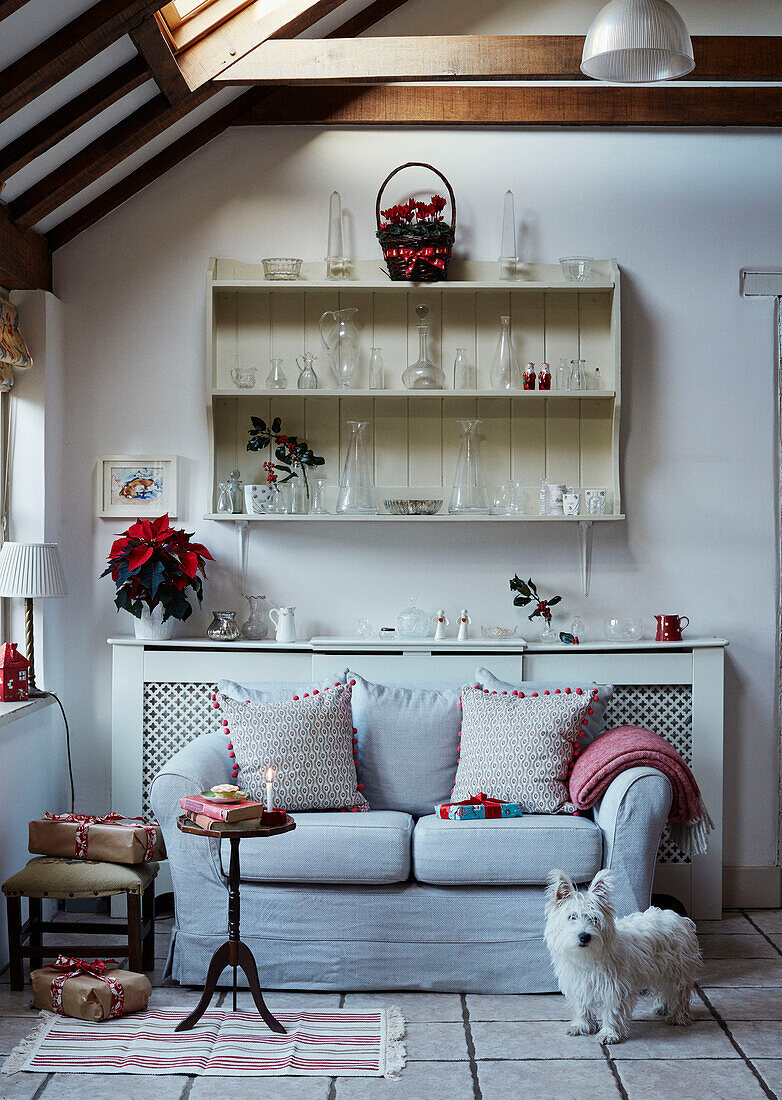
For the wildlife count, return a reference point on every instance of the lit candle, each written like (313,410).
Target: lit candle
(269,790)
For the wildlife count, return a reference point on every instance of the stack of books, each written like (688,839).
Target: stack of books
(206,815)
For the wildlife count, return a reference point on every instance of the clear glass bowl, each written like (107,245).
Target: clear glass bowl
(577,269)
(281,267)
(491,632)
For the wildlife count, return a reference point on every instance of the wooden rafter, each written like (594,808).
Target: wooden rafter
(67,49)
(8,7)
(25,259)
(150,170)
(475,57)
(68,118)
(154,48)
(244,31)
(101,155)
(495,105)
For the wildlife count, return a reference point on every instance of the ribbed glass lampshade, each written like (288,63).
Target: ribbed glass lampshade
(637,42)
(31,569)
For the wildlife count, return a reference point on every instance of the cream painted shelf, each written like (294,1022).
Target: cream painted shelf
(385,517)
(415,395)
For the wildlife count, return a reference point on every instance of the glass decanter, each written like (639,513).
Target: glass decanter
(356,486)
(255,629)
(413,622)
(423,374)
(308,379)
(276,379)
(464,375)
(376,369)
(469,495)
(505,371)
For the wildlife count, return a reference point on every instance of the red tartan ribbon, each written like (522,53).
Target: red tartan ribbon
(83,822)
(428,255)
(493,805)
(97,968)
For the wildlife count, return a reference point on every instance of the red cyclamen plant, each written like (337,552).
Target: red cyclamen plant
(152,563)
(416,219)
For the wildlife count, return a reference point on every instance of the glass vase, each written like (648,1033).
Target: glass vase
(505,370)
(356,486)
(376,369)
(464,374)
(469,495)
(255,628)
(276,379)
(298,496)
(223,627)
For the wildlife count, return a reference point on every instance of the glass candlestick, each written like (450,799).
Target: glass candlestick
(336,260)
(508,254)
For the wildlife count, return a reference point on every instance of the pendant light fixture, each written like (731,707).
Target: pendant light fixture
(637,42)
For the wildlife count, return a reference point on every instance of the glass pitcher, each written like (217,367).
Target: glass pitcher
(339,337)
(469,495)
(356,487)
(308,379)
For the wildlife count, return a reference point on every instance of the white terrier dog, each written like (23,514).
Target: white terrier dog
(604,965)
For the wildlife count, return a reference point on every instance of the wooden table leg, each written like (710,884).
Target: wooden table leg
(216,967)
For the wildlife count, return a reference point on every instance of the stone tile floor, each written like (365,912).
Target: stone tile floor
(495,1048)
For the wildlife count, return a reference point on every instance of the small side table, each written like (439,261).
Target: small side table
(233,952)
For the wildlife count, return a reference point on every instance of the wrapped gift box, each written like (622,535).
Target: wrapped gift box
(92,990)
(481,806)
(110,839)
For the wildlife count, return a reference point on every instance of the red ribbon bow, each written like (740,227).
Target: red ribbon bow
(97,968)
(429,255)
(493,805)
(83,822)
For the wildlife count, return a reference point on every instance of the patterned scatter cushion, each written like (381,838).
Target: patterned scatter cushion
(307,739)
(520,748)
(486,679)
(261,691)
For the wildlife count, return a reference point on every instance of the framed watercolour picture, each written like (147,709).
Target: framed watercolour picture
(137,485)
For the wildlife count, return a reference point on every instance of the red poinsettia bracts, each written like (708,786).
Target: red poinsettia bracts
(153,563)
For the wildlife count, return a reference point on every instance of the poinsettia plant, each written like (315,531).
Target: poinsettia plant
(292,454)
(416,219)
(152,563)
(527,594)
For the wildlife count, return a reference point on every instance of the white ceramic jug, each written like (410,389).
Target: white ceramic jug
(284,623)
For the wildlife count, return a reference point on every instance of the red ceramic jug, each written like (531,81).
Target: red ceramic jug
(670,627)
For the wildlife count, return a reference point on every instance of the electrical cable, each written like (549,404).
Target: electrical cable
(68,746)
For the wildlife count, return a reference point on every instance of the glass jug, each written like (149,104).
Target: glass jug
(469,495)
(308,379)
(255,629)
(356,487)
(339,337)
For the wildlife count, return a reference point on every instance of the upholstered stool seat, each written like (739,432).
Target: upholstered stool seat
(63,879)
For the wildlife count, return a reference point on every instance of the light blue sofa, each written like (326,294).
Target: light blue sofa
(393,899)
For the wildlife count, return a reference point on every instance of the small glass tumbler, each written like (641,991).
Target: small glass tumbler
(318,496)
(577,269)
(508,499)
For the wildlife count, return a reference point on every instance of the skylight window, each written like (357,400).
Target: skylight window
(187,21)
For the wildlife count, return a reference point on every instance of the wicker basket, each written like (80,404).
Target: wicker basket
(417,259)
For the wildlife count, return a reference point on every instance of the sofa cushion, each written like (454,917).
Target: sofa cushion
(513,851)
(333,848)
(408,740)
(486,679)
(262,691)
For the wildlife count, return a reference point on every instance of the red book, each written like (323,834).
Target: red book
(245,810)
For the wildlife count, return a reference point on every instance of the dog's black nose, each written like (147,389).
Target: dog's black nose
(584,938)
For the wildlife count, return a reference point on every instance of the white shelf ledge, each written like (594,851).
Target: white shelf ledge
(341,286)
(384,517)
(453,395)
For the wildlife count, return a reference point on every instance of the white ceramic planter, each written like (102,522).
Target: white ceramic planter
(151,627)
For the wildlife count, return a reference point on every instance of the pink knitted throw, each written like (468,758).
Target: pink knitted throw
(633,747)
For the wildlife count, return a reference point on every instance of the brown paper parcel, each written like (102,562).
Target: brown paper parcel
(86,997)
(106,843)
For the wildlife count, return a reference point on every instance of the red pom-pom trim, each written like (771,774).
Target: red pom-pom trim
(361,786)
(336,683)
(225,721)
(534,695)
(547,692)
(584,721)
(579,691)
(295,698)
(591,710)
(315,691)
(352,683)
(567,691)
(216,706)
(557,691)
(520,694)
(229,745)
(232,755)
(306,695)
(214,696)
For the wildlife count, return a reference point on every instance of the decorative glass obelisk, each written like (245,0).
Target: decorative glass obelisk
(508,252)
(336,260)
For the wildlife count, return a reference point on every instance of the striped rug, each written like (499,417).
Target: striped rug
(222,1044)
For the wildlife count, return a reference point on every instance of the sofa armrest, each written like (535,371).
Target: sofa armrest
(194,860)
(631,816)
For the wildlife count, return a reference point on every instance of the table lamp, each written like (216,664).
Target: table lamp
(32,570)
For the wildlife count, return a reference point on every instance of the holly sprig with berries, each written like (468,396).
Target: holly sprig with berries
(527,594)
(293,455)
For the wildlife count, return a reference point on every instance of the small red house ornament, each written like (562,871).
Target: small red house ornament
(14,681)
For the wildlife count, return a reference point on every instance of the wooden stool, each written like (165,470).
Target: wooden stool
(62,879)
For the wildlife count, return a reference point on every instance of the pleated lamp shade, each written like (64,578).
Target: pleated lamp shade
(31,569)
(637,42)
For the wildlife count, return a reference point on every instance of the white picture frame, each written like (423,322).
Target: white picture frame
(137,486)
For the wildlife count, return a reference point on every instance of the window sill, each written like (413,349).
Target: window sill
(11,712)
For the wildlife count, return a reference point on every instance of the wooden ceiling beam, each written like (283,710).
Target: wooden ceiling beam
(25,259)
(151,170)
(153,46)
(67,49)
(498,106)
(101,155)
(8,7)
(68,118)
(474,57)
(244,31)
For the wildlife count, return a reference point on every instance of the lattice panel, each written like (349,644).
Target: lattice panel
(174,714)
